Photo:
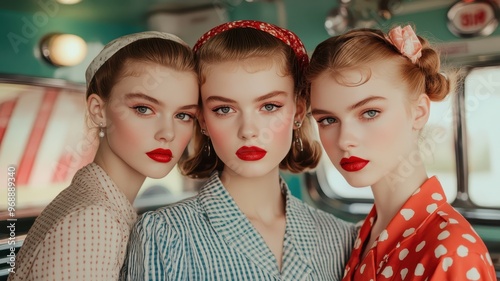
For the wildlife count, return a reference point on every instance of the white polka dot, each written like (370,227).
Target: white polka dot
(416,191)
(346,271)
(437,196)
(374,244)
(420,246)
(357,243)
(443,235)
(407,213)
(403,272)
(443,225)
(403,254)
(462,251)
(447,262)
(387,272)
(440,250)
(383,236)
(473,274)
(453,221)
(408,232)
(419,270)
(431,208)
(488,258)
(362,269)
(441,213)
(469,237)
(398,245)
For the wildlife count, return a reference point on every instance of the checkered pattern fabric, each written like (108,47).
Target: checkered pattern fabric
(207,237)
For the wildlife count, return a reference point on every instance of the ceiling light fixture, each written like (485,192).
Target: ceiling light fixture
(63,49)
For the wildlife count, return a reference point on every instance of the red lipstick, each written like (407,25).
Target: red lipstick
(353,163)
(160,155)
(250,153)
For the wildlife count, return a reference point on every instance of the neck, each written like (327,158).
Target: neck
(257,197)
(392,191)
(128,180)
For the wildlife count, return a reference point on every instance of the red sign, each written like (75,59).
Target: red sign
(473,18)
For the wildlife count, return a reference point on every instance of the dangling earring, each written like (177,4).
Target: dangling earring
(101,130)
(298,141)
(206,147)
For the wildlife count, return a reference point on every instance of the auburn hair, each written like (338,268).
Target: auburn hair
(359,47)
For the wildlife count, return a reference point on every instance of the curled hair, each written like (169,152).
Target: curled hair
(155,50)
(240,44)
(359,47)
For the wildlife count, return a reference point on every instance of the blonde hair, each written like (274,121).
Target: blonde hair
(239,44)
(359,47)
(156,50)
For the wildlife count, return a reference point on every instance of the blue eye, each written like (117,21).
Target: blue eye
(370,114)
(143,110)
(270,107)
(327,121)
(184,116)
(223,110)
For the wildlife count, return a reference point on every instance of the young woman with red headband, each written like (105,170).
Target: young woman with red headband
(142,97)
(244,224)
(370,95)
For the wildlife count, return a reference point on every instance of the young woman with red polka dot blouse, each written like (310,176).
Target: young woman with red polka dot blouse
(370,94)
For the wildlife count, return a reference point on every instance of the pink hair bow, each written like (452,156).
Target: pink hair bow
(406,41)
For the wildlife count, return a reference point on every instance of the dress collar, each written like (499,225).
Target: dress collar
(239,233)
(402,226)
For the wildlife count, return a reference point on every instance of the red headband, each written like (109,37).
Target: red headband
(285,35)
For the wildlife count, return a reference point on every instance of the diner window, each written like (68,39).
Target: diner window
(481,103)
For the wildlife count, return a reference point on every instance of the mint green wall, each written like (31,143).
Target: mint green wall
(21,34)
(306,19)
(22,31)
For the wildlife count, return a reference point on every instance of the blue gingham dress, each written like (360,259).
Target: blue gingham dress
(207,237)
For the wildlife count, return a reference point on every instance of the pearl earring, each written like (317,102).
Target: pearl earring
(101,130)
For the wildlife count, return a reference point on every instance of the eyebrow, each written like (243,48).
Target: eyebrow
(261,98)
(190,106)
(365,101)
(155,101)
(352,107)
(141,96)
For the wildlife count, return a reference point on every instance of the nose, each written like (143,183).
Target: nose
(165,130)
(247,129)
(347,137)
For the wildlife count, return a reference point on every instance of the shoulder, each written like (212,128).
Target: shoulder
(97,219)
(172,217)
(449,234)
